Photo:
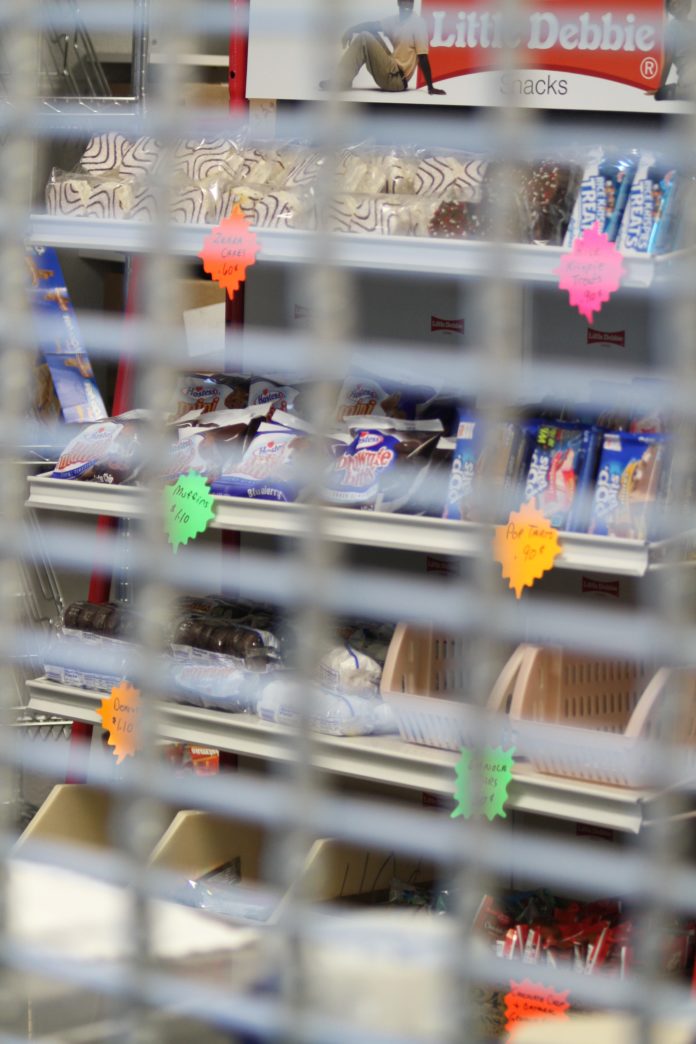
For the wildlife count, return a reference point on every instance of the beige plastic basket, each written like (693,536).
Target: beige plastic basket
(589,713)
(423,682)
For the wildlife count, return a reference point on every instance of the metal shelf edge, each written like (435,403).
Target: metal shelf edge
(385,760)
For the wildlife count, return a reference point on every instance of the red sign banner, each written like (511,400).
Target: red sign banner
(621,41)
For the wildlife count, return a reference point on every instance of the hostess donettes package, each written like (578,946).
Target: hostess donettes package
(108,451)
(384,466)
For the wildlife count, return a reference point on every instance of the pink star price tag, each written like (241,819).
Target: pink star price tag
(591,272)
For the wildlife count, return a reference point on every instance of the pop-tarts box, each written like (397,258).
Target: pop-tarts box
(64,353)
(629,477)
(560,471)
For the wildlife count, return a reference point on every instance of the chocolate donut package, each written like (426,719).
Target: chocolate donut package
(367,395)
(108,452)
(213,443)
(385,466)
(209,392)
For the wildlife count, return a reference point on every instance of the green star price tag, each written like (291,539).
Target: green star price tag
(494,769)
(188,508)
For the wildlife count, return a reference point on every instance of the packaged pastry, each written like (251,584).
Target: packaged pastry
(274,396)
(547,191)
(271,465)
(94,196)
(560,470)
(104,154)
(628,479)
(346,670)
(482,453)
(385,215)
(261,166)
(302,168)
(104,452)
(266,207)
(648,210)
(248,645)
(603,194)
(209,392)
(205,159)
(449,219)
(367,396)
(214,443)
(283,700)
(385,465)
(457,177)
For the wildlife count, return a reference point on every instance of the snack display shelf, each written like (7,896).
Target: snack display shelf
(378,759)
(366,528)
(445,257)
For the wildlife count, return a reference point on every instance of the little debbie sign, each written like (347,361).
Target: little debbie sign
(576,54)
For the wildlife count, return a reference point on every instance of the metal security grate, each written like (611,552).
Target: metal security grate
(302,843)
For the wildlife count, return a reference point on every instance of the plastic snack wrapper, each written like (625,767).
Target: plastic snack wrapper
(333,714)
(347,671)
(102,196)
(648,214)
(561,470)
(208,158)
(266,207)
(367,395)
(384,215)
(459,177)
(271,466)
(107,451)
(547,191)
(207,392)
(603,194)
(384,466)
(630,472)
(213,443)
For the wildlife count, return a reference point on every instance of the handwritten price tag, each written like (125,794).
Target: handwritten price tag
(531,1000)
(188,508)
(229,251)
(495,774)
(119,717)
(526,547)
(591,272)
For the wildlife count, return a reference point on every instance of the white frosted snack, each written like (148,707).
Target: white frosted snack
(268,208)
(399,175)
(346,670)
(139,157)
(301,169)
(105,200)
(440,175)
(191,205)
(201,160)
(104,153)
(139,202)
(381,215)
(67,195)
(352,172)
(261,167)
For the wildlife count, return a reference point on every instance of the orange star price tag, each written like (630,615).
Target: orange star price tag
(229,250)
(531,1000)
(119,716)
(526,546)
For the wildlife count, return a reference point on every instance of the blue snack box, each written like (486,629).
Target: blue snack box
(628,482)
(560,470)
(603,194)
(471,457)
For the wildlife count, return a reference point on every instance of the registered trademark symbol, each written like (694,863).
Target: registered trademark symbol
(649,68)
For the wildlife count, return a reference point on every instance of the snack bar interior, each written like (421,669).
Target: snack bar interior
(348,466)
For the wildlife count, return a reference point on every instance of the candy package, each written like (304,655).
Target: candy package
(630,472)
(603,194)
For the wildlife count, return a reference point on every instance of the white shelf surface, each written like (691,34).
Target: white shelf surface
(366,528)
(378,759)
(468,258)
